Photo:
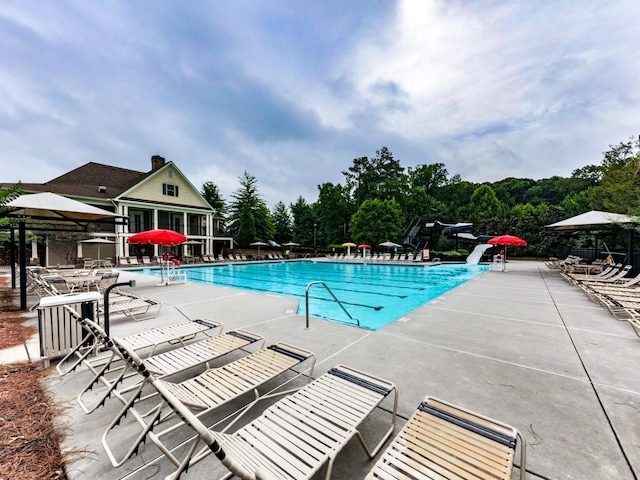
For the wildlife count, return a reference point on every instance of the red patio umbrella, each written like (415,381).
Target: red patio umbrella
(506,241)
(364,247)
(158,236)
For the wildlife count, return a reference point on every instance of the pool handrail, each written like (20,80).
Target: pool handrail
(306,299)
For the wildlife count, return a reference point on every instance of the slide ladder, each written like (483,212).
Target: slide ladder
(411,234)
(476,255)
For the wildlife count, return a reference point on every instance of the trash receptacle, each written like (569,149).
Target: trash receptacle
(58,328)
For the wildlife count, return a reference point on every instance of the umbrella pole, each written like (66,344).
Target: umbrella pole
(504,259)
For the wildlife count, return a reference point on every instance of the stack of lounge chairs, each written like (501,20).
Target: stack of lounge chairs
(611,287)
(131,305)
(44,284)
(155,379)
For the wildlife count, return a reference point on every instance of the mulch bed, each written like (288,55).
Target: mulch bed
(29,439)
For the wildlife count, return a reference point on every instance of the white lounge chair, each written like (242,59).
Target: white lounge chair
(133,306)
(298,435)
(202,394)
(145,342)
(445,441)
(169,362)
(106,280)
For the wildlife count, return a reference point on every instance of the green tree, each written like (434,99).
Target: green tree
(249,214)
(377,221)
(456,196)
(212,195)
(246,228)
(487,212)
(484,204)
(512,191)
(282,223)
(374,178)
(553,190)
(618,190)
(6,195)
(591,175)
(576,204)
(428,177)
(526,222)
(333,212)
(303,221)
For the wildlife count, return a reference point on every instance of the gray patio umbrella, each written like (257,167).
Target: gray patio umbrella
(389,244)
(98,241)
(258,244)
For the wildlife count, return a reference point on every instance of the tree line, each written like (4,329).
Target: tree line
(380,199)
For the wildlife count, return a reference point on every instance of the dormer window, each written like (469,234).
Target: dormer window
(170,189)
(102,189)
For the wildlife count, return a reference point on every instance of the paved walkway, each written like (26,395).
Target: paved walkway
(522,346)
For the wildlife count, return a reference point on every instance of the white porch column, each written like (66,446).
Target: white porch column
(185,228)
(46,251)
(154,226)
(209,233)
(34,248)
(125,230)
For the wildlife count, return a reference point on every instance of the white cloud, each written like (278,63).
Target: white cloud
(293,92)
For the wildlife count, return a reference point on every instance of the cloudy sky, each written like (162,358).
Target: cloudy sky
(293,91)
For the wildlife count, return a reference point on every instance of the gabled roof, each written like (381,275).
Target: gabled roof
(127,193)
(84,181)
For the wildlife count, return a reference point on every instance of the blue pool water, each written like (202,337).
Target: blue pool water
(374,295)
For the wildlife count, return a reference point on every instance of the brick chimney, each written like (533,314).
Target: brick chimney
(157,162)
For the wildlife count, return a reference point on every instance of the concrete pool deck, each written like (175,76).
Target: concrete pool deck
(522,346)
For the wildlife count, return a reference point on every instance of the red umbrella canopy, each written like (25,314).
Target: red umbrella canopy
(158,237)
(508,240)
(364,245)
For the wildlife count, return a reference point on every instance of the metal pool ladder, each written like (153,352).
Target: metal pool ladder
(306,299)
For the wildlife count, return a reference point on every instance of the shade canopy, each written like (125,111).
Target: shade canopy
(593,220)
(46,211)
(259,244)
(53,209)
(508,241)
(364,245)
(158,236)
(290,244)
(389,244)
(348,244)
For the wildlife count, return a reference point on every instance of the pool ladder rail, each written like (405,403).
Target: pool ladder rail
(306,299)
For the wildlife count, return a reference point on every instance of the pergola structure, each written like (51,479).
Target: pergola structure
(595,222)
(49,212)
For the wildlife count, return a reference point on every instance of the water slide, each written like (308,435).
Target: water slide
(476,255)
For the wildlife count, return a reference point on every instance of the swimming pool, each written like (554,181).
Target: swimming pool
(373,294)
